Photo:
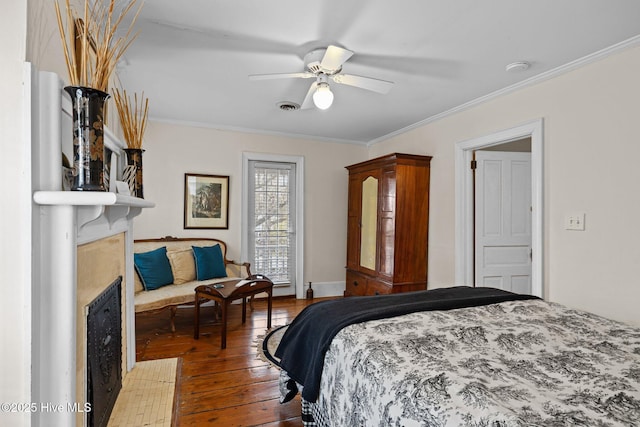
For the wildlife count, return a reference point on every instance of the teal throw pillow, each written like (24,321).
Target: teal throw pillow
(153,268)
(209,262)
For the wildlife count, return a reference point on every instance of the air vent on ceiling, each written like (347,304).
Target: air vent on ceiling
(288,106)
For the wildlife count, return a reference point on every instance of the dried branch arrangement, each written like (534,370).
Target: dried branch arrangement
(91,47)
(133,117)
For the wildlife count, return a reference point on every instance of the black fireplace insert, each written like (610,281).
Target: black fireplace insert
(104,353)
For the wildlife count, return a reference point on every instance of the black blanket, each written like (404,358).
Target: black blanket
(308,337)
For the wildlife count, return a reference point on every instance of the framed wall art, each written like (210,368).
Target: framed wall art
(206,201)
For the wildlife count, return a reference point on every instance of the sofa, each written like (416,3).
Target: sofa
(169,269)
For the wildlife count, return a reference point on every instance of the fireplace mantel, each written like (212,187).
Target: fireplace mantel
(69,219)
(63,222)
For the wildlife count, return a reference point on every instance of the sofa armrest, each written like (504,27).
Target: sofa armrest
(238,270)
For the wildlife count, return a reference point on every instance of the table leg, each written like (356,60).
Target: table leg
(244,310)
(269,295)
(174,309)
(224,305)
(196,321)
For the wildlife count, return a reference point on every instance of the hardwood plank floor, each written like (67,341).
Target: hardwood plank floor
(230,387)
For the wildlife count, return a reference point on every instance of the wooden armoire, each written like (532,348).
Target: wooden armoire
(388,225)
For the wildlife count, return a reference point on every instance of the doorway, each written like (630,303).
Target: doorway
(271,222)
(273,219)
(465,241)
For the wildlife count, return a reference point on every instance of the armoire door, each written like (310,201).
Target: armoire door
(387,214)
(353,222)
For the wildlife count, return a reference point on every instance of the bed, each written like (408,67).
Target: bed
(460,356)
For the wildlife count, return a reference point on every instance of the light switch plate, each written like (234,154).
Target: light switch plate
(574,221)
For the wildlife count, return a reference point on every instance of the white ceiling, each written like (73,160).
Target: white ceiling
(192,58)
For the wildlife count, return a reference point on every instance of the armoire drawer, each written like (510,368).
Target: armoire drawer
(356,284)
(375,287)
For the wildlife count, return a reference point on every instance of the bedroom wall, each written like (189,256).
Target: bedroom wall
(591,151)
(173,150)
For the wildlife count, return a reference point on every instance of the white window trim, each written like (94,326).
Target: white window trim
(299,255)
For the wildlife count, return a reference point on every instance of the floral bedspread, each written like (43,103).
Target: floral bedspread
(518,363)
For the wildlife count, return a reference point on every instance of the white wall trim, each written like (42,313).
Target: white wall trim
(244,245)
(327,289)
(464,200)
(20,335)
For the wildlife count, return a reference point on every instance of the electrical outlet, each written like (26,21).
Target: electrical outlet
(574,222)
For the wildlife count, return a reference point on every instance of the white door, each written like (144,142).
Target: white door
(503,220)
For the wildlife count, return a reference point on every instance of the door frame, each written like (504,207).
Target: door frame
(464,226)
(244,246)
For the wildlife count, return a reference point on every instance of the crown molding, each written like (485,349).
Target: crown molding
(558,71)
(226,128)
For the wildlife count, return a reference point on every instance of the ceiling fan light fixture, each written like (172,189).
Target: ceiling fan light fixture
(323,97)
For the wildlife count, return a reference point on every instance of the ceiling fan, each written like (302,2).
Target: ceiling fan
(324,65)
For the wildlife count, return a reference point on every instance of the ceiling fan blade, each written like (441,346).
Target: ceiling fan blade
(434,67)
(304,75)
(166,34)
(173,35)
(308,100)
(334,57)
(368,83)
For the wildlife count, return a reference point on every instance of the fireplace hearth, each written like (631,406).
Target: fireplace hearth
(104,353)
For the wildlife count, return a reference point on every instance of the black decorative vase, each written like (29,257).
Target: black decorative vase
(134,158)
(88,137)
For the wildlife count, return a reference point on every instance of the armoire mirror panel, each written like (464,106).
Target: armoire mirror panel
(369,223)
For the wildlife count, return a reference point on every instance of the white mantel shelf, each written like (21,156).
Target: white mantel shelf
(88,198)
(91,206)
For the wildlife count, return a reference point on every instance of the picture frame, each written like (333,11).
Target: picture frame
(206,201)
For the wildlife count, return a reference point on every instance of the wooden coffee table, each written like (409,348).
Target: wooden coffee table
(226,292)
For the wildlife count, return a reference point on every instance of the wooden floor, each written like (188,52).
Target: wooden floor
(230,387)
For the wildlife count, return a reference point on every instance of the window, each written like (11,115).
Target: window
(272,220)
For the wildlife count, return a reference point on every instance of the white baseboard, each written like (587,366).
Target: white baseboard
(326,289)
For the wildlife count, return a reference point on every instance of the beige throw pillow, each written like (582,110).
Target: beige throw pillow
(183,266)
